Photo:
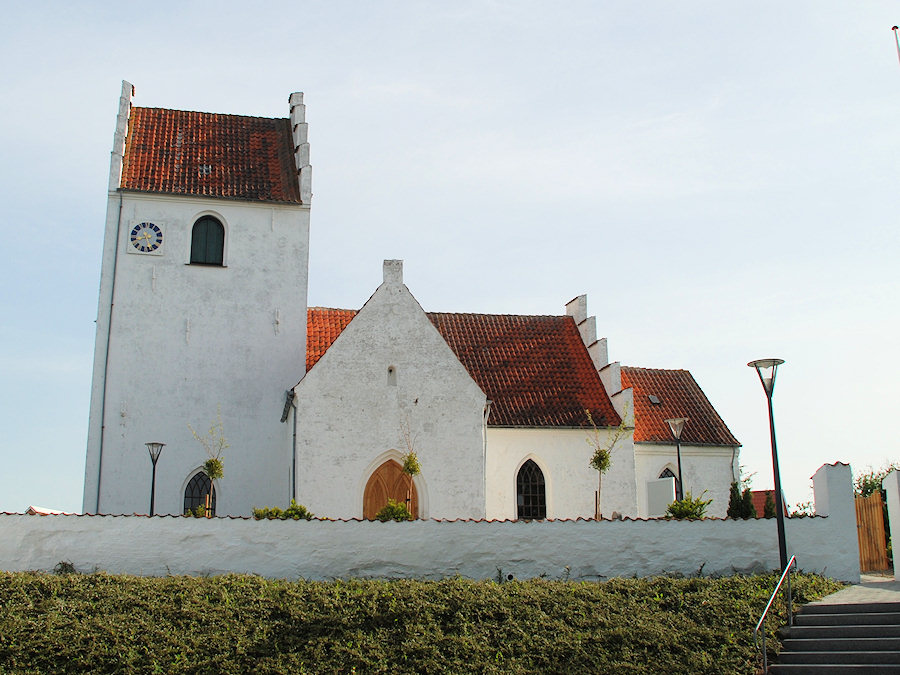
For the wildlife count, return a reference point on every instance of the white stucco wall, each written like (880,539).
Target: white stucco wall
(434,549)
(891,485)
(187,339)
(350,418)
(563,456)
(706,469)
(589,550)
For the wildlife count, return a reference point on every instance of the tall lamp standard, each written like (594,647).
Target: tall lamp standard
(676,426)
(766,369)
(155,449)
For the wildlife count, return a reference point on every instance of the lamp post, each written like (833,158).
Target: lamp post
(766,369)
(155,449)
(676,426)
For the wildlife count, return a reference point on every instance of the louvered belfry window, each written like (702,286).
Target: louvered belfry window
(531,499)
(195,493)
(207,242)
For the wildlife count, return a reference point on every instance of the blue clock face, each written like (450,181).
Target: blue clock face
(146,237)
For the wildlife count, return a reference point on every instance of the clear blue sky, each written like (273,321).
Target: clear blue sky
(719,178)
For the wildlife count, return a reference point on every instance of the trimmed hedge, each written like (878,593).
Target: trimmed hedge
(236,624)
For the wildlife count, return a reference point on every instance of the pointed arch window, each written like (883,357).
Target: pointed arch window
(531,495)
(195,494)
(207,242)
(668,473)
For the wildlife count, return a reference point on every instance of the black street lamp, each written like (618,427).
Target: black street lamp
(766,369)
(676,426)
(155,449)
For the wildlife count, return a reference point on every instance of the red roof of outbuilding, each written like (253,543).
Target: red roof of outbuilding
(679,395)
(535,369)
(210,155)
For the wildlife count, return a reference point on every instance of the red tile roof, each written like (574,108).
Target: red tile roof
(210,155)
(323,325)
(679,395)
(535,369)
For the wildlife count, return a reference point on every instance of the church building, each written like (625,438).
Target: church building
(203,316)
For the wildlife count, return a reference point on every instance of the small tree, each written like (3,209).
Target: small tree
(740,498)
(410,459)
(601,458)
(213,443)
(735,504)
(748,510)
(769,506)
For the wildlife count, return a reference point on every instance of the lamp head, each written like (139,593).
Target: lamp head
(766,369)
(154,449)
(676,426)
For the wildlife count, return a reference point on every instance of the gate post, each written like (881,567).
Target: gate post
(891,485)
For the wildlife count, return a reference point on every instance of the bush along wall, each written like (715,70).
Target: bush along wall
(100,623)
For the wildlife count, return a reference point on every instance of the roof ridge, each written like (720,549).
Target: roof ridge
(207,112)
(526,316)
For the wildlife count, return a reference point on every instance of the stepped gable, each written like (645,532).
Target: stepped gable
(679,395)
(534,369)
(210,155)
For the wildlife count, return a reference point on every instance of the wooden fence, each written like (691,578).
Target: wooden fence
(870,530)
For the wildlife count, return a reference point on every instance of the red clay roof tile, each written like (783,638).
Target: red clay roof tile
(210,155)
(323,325)
(679,395)
(535,369)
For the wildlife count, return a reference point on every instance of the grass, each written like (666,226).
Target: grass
(240,623)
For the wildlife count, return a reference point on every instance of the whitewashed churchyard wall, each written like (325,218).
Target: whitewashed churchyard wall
(578,550)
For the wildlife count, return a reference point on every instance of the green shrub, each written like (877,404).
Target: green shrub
(689,508)
(99,623)
(198,512)
(214,468)
(769,506)
(740,504)
(394,511)
(411,464)
(293,512)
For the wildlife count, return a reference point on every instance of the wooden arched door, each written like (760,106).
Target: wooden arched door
(389,481)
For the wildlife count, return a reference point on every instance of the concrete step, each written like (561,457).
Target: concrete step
(833,670)
(851,608)
(855,619)
(864,644)
(834,632)
(837,658)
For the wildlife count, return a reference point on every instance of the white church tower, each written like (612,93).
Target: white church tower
(202,308)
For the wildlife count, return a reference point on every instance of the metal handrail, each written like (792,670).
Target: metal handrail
(790,614)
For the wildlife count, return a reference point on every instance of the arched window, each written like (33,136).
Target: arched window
(668,473)
(195,494)
(531,498)
(207,242)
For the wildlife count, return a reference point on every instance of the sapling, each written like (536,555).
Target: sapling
(213,443)
(601,459)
